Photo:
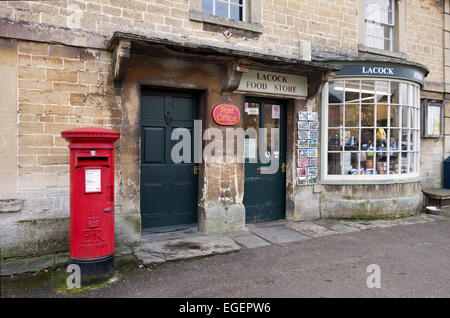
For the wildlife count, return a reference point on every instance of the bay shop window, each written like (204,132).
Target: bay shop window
(371,129)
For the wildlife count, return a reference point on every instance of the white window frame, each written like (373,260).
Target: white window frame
(244,6)
(375,178)
(390,25)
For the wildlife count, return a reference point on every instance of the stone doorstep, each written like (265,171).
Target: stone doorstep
(157,252)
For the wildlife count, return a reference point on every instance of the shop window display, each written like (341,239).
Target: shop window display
(373,128)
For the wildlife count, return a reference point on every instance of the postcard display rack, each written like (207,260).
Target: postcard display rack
(308,139)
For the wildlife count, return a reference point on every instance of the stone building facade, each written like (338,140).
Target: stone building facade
(66,64)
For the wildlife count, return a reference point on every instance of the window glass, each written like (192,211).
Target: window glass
(335,115)
(368,115)
(352,91)
(336,92)
(227,9)
(207,6)
(373,127)
(379,24)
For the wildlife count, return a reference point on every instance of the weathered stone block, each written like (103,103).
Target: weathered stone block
(10,205)
(222,219)
(19,266)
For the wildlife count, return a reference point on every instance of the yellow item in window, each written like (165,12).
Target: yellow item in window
(381,134)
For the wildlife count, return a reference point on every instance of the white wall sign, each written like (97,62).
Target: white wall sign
(93,180)
(274,83)
(276,111)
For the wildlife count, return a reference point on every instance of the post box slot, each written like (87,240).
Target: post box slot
(89,161)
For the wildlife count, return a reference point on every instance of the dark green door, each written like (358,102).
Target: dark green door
(264,191)
(168,189)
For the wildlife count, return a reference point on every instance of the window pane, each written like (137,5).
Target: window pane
(381,162)
(395,93)
(352,139)
(273,135)
(403,93)
(412,163)
(395,138)
(382,92)
(351,162)
(335,115)
(334,139)
(367,139)
(381,143)
(368,92)
(252,121)
(334,163)
(352,91)
(404,162)
(236,13)
(394,167)
(416,101)
(382,115)
(351,115)
(207,6)
(412,115)
(221,9)
(412,140)
(336,92)
(405,116)
(367,115)
(405,145)
(395,116)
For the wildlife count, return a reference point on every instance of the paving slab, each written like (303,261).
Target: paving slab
(361,225)
(311,229)
(337,226)
(149,259)
(436,217)
(279,234)
(383,223)
(251,241)
(187,247)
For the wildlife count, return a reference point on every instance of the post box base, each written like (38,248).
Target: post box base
(95,271)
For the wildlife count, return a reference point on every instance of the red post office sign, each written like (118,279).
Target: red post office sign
(226,115)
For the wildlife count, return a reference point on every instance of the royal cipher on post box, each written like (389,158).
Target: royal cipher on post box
(92,201)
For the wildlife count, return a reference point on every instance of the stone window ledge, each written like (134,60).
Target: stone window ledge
(366,49)
(208,18)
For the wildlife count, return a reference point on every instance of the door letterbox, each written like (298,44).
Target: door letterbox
(92,201)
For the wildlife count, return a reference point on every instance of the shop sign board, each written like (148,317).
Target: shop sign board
(273,83)
(226,115)
(406,72)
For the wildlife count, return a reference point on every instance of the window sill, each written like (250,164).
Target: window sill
(357,180)
(366,49)
(208,18)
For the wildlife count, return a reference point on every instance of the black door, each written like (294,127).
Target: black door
(264,192)
(168,189)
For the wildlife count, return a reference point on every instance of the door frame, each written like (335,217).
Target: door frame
(196,95)
(283,120)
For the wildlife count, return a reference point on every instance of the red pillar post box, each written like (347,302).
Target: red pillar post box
(92,201)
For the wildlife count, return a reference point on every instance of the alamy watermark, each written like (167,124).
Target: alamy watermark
(74,278)
(374,279)
(231,145)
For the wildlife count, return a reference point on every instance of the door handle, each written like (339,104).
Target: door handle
(195,169)
(283,167)
(107,210)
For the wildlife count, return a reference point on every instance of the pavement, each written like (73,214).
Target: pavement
(327,258)
(156,249)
